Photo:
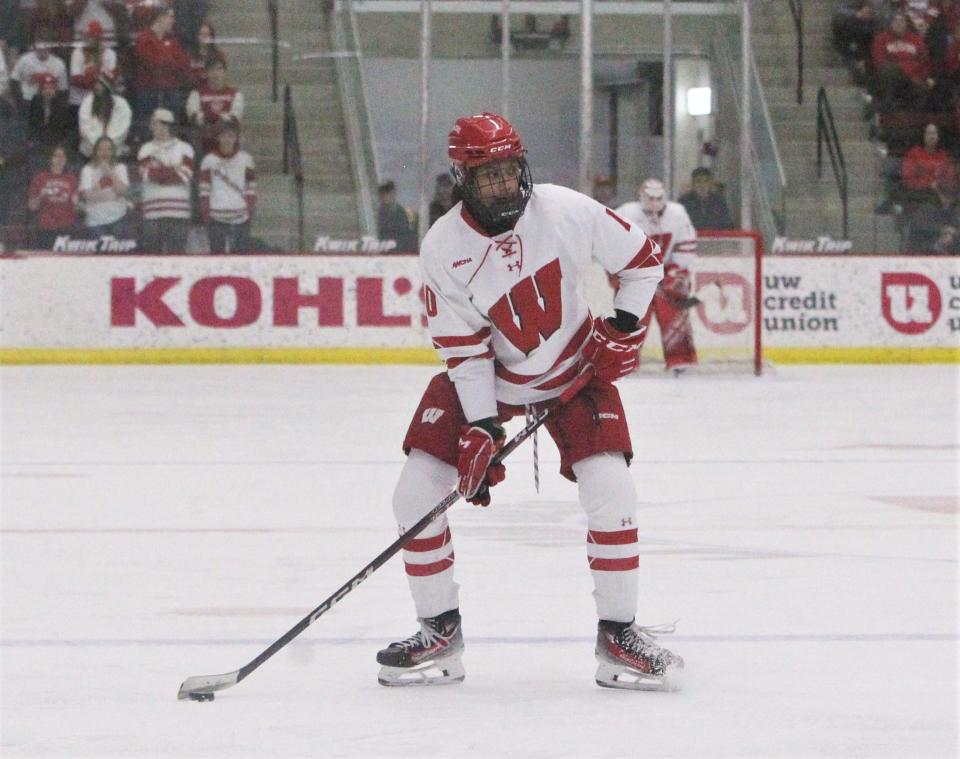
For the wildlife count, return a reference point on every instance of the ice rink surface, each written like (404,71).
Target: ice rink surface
(160,522)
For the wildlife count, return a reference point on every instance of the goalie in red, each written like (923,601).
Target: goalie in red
(500,272)
(669,224)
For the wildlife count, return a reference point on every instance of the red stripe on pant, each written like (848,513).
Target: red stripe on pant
(614,565)
(425,570)
(616,538)
(419,545)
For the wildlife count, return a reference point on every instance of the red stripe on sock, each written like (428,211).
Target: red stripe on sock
(419,545)
(614,565)
(617,538)
(425,570)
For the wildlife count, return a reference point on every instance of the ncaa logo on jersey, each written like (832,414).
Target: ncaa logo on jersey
(431,415)
(911,302)
(726,302)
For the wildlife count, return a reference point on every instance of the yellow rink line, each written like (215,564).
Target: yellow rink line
(863,355)
(218,356)
(223,355)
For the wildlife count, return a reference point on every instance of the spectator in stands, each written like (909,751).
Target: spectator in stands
(929,191)
(32,66)
(927,168)
(89,62)
(392,220)
(162,66)
(901,67)
(855,22)
(104,185)
(166,171)
(141,13)
(705,203)
(49,120)
(50,20)
(213,102)
(13,159)
(103,113)
(105,13)
(604,190)
(443,199)
(52,197)
(203,52)
(228,191)
(13,27)
(191,15)
(948,240)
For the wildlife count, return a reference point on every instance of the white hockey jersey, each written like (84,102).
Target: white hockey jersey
(672,229)
(166,196)
(505,313)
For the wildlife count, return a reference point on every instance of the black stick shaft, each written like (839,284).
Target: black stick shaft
(387,554)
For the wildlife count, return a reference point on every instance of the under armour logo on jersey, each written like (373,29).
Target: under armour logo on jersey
(625,521)
(508,248)
(431,415)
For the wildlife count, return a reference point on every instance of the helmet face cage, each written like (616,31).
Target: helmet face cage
(500,212)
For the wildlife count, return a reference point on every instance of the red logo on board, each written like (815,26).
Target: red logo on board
(910,301)
(726,301)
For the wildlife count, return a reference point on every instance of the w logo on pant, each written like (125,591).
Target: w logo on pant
(431,415)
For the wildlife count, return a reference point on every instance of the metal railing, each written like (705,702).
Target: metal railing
(274,16)
(292,159)
(360,139)
(796,10)
(827,136)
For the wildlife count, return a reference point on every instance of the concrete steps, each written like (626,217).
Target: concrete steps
(812,203)
(329,202)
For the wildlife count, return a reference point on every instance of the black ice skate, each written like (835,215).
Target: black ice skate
(431,656)
(630,658)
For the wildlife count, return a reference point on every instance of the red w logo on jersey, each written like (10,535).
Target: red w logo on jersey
(663,240)
(519,316)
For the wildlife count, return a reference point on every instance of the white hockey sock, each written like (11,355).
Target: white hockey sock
(428,558)
(609,498)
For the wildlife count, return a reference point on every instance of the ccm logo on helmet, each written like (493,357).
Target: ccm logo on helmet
(500,148)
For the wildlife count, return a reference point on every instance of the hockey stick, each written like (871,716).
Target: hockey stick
(202,687)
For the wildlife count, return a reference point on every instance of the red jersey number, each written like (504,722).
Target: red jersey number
(519,316)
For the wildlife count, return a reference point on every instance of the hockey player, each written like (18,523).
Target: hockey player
(500,272)
(668,223)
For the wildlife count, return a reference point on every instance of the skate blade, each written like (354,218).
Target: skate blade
(624,678)
(442,672)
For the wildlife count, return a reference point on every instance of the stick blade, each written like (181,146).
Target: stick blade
(207,684)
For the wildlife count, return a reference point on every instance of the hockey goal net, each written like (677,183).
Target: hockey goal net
(726,323)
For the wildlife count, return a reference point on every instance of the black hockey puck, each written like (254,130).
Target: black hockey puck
(201,697)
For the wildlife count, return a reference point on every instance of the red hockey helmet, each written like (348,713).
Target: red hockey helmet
(476,140)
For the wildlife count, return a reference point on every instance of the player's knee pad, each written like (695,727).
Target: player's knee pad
(607,492)
(423,483)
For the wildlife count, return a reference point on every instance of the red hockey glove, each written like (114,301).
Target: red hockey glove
(479,443)
(612,353)
(676,288)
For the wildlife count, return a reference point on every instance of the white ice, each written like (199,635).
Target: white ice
(160,522)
